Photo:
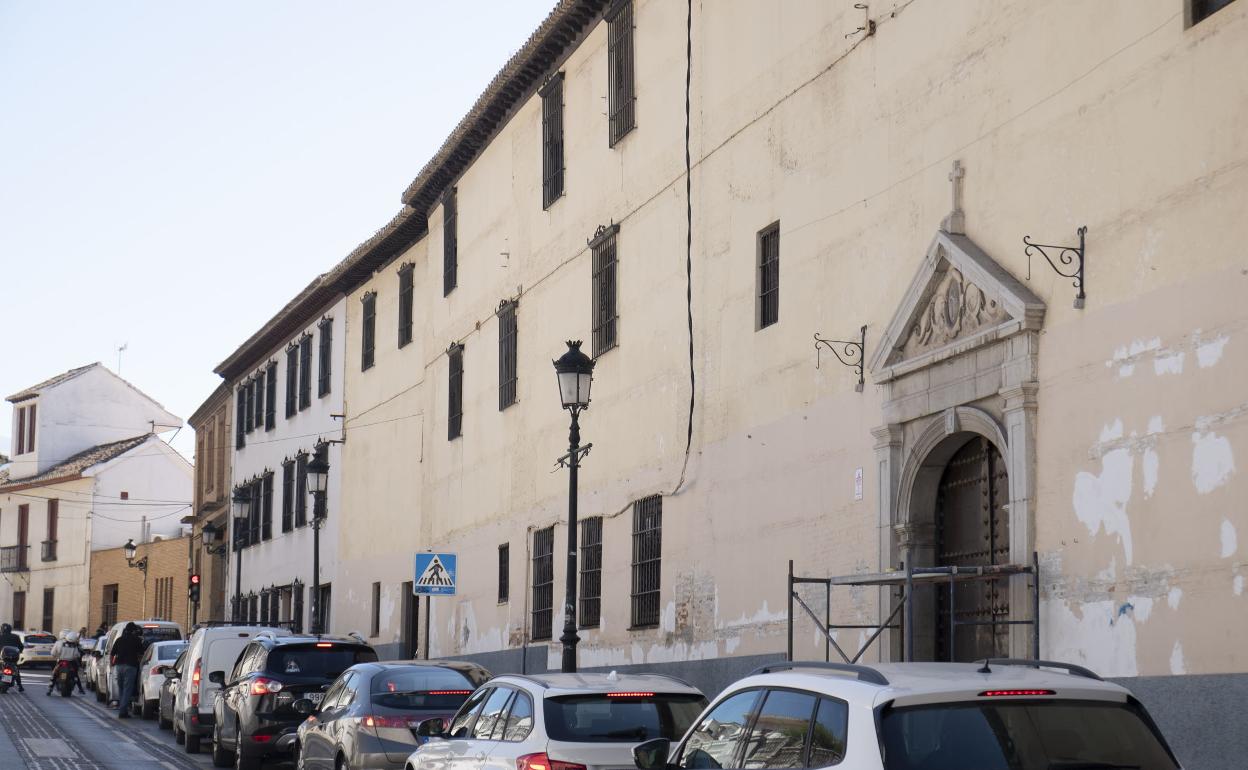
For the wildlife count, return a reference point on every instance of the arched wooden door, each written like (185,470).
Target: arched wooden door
(972,529)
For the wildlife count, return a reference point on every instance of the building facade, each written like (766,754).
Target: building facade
(88,473)
(213,425)
(121,590)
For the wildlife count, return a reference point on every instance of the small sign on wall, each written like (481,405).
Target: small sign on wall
(858,484)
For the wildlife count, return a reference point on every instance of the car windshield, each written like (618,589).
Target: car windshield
(169,651)
(1022,735)
(160,634)
(317,662)
(39,639)
(420,688)
(627,717)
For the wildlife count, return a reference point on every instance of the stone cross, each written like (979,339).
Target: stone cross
(955,223)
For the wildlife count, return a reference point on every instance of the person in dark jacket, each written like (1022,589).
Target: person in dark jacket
(10,639)
(125,660)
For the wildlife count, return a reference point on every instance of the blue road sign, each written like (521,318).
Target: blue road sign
(435,574)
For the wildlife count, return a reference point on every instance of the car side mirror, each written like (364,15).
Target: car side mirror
(304,706)
(171,673)
(432,728)
(652,754)
(216,677)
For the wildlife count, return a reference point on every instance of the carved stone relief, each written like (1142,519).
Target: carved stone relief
(955,308)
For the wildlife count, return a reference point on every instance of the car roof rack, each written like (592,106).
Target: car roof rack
(1069,668)
(864,673)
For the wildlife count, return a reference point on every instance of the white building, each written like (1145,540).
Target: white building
(287,394)
(89,472)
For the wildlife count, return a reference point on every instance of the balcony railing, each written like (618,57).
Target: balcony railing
(49,550)
(13,558)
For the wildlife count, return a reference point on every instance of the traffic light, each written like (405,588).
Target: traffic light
(194,588)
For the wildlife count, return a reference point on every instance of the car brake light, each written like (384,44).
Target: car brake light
(195,683)
(542,762)
(262,686)
(401,723)
(449,692)
(630,695)
(1013,693)
(155,670)
(324,644)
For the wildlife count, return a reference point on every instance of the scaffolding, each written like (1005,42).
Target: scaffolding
(901,618)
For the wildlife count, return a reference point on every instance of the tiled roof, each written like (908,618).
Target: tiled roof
(80,462)
(35,390)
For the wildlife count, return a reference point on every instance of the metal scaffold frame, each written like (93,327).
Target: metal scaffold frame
(901,617)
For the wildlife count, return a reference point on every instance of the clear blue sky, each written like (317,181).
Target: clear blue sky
(172,173)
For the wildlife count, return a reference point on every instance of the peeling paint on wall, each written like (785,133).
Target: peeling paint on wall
(1209,353)
(1229,538)
(1126,356)
(1100,501)
(1237,585)
(1100,634)
(1174,597)
(1169,363)
(1177,665)
(1212,461)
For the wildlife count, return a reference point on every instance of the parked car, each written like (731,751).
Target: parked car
(153,631)
(369,715)
(254,717)
(914,716)
(168,691)
(90,657)
(212,648)
(156,658)
(565,721)
(36,648)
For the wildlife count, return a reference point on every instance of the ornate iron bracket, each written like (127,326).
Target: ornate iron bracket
(1066,256)
(848,352)
(563,462)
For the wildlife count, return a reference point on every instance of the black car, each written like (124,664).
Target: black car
(254,718)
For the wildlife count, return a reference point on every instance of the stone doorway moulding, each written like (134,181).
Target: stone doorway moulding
(957,360)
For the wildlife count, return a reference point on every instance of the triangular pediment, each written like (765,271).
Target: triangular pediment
(960,299)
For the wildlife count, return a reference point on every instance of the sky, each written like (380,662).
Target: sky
(171,174)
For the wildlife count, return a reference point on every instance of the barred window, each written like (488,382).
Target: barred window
(769,276)
(266,509)
(256,493)
(255,402)
(270,397)
(543,583)
(305,372)
(591,572)
(552,140)
(1199,10)
(240,436)
(325,364)
(621,87)
(506,354)
(450,243)
(249,417)
(368,333)
(292,380)
(301,489)
(455,392)
(647,560)
(375,625)
(504,573)
(605,318)
(296,611)
(288,495)
(405,304)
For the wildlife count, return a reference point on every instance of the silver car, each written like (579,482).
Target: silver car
(369,715)
(562,721)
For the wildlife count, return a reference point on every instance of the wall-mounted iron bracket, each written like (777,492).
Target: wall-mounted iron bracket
(1066,256)
(848,352)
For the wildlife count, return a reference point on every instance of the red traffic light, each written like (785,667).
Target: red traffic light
(194,580)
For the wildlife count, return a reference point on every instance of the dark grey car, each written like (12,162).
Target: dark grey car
(369,715)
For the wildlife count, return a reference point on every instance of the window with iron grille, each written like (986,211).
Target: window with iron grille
(1199,10)
(450,243)
(301,489)
(240,436)
(266,506)
(253,511)
(543,583)
(248,406)
(605,320)
(325,364)
(305,372)
(108,604)
(296,612)
(620,84)
(506,354)
(375,625)
(270,397)
(368,333)
(591,572)
(49,602)
(288,495)
(292,380)
(647,560)
(504,573)
(254,416)
(405,304)
(552,140)
(257,400)
(455,391)
(769,276)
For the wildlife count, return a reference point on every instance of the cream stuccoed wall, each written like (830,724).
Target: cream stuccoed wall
(288,556)
(1109,115)
(68,573)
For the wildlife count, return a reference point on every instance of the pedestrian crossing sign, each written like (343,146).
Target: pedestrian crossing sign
(435,574)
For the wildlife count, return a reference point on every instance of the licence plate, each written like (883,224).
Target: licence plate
(6,679)
(316,697)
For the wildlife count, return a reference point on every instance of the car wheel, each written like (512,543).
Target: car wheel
(179,737)
(192,743)
(161,722)
(342,763)
(243,762)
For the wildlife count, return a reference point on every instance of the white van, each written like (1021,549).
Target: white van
(153,631)
(213,648)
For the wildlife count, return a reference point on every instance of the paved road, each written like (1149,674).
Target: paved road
(38,732)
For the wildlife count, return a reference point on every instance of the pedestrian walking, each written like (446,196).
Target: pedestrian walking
(125,659)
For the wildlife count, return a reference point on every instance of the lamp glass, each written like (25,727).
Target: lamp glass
(316,480)
(130,549)
(575,372)
(210,534)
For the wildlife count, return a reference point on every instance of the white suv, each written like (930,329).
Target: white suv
(558,722)
(993,715)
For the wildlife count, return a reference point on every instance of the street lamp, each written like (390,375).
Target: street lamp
(242,502)
(211,534)
(130,549)
(575,372)
(318,480)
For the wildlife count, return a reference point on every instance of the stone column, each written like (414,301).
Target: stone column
(1020,431)
(888,480)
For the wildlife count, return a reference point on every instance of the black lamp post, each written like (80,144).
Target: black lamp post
(242,502)
(318,480)
(575,372)
(130,549)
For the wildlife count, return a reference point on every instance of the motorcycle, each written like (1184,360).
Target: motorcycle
(64,676)
(8,668)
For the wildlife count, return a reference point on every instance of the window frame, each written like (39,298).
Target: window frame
(591,576)
(292,380)
(553,165)
(1196,11)
(288,495)
(504,573)
(455,391)
(266,506)
(450,242)
(368,330)
(647,560)
(240,433)
(375,619)
(621,72)
(301,489)
(305,371)
(767,294)
(406,303)
(325,357)
(508,372)
(270,396)
(604,289)
(543,597)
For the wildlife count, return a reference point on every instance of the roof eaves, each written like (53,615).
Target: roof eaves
(35,390)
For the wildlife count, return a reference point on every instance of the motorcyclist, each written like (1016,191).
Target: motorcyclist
(10,639)
(66,648)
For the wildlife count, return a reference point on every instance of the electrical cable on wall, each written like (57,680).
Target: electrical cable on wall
(693,382)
